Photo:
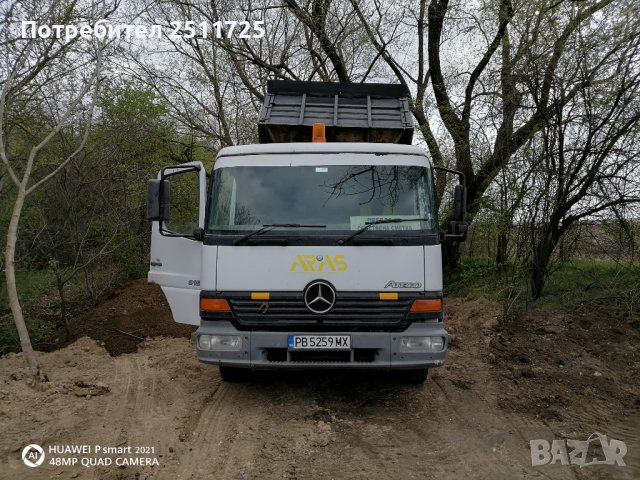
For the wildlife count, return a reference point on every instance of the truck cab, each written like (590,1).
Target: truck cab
(309,254)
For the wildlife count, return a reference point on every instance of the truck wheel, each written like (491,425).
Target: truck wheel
(415,377)
(233,374)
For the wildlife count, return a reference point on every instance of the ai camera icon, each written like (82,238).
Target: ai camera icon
(33,455)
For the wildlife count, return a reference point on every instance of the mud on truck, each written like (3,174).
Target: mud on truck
(319,247)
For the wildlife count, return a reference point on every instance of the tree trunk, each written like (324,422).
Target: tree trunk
(12,290)
(539,265)
(60,283)
(501,250)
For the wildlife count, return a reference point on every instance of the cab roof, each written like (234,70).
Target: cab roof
(319,148)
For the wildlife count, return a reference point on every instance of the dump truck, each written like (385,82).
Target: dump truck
(318,247)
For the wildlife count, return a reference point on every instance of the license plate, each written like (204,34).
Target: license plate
(319,342)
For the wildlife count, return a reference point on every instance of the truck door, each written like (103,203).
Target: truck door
(176,246)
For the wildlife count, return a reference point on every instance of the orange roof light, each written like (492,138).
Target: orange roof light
(318,133)
(214,305)
(426,305)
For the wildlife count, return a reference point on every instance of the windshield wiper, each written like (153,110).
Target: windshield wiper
(368,225)
(270,226)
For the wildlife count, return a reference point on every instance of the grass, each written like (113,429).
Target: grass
(576,285)
(472,278)
(602,284)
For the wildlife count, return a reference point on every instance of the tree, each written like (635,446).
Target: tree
(482,75)
(59,80)
(591,160)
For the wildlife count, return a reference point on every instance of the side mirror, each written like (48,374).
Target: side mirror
(158,199)
(457,231)
(459,203)
(457,228)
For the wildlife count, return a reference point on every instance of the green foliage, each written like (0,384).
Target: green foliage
(572,286)
(472,278)
(581,285)
(85,231)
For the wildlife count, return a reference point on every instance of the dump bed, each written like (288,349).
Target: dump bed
(351,112)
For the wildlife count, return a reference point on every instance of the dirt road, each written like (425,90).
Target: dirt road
(473,418)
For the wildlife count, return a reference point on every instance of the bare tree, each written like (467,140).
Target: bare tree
(591,161)
(497,94)
(220,83)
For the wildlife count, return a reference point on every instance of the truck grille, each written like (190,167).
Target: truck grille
(355,311)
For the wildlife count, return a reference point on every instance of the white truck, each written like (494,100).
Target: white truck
(319,247)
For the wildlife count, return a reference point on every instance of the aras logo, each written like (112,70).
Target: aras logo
(319,263)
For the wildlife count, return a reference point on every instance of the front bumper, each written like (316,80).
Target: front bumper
(267,349)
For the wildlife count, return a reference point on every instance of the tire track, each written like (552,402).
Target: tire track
(223,441)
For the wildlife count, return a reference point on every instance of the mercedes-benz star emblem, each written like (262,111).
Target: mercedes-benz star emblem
(319,297)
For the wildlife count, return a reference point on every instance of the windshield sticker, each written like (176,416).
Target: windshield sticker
(358,222)
(322,169)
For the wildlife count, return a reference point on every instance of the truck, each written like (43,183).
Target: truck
(319,247)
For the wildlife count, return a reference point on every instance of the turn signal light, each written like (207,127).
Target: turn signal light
(214,305)
(388,295)
(318,133)
(427,305)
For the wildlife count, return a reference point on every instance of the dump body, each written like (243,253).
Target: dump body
(351,112)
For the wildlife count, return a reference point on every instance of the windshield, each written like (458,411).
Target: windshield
(333,197)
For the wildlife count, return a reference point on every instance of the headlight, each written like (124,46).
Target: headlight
(220,342)
(421,344)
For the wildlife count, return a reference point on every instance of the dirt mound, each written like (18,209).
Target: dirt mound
(136,312)
(569,368)
(143,399)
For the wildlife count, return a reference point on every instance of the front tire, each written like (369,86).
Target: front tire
(233,374)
